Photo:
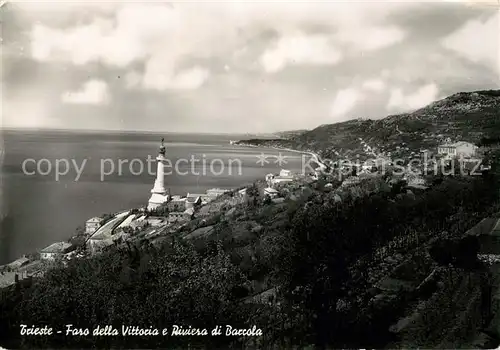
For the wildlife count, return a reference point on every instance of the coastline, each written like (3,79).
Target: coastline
(316,159)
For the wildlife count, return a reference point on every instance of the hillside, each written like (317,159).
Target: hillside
(374,264)
(467,116)
(290,133)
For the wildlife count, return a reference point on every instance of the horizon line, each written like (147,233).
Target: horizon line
(74,130)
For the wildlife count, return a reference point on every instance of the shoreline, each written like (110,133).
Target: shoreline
(316,158)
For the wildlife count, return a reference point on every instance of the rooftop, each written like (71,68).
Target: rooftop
(284,177)
(193,199)
(270,190)
(94,219)
(18,263)
(58,247)
(7,279)
(220,190)
(456,144)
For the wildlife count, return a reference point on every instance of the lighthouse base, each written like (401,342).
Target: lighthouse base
(156,200)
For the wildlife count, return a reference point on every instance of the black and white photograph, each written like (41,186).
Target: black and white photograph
(250,174)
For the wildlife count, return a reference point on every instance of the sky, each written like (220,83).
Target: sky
(236,66)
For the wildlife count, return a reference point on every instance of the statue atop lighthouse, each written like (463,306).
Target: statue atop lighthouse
(159,194)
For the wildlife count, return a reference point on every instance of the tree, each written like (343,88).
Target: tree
(132,286)
(267,200)
(253,194)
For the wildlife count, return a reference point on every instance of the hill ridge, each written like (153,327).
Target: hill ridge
(463,116)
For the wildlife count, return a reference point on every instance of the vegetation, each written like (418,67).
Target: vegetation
(463,116)
(307,271)
(318,256)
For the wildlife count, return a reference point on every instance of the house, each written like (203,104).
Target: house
(271,192)
(242,194)
(281,179)
(216,192)
(55,250)
(9,279)
(205,198)
(457,149)
(177,204)
(18,263)
(104,236)
(176,217)
(92,224)
(193,200)
(285,172)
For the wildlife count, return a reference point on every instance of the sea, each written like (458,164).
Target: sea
(52,181)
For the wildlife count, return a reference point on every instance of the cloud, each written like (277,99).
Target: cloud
(126,33)
(93,92)
(344,101)
(374,85)
(372,38)
(188,79)
(420,98)
(479,41)
(299,49)
(362,51)
(139,33)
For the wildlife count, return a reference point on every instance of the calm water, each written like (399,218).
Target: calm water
(37,210)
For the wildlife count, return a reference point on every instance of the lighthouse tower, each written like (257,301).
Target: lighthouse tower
(158,194)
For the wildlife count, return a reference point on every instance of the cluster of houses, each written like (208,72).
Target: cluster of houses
(272,180)
(179,210)
(457,149)
(466,152)
(182,208)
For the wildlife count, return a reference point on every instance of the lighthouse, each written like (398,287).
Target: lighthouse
(159,194)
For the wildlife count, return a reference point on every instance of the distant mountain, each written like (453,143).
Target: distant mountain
(467,116)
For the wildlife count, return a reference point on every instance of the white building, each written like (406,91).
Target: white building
(271,192)
(55,250)
(159,194)
(457,149)
(216,192)
(92,224)
(284,176)
(177,203)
